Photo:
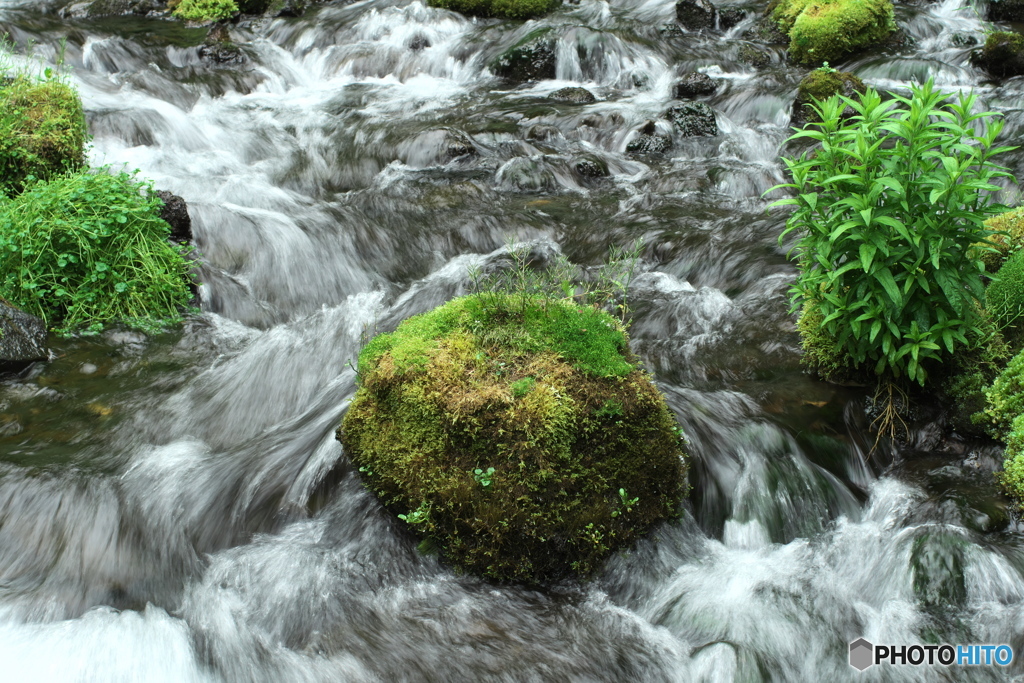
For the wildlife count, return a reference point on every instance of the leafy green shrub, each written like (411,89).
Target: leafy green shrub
(42,130)
(506,432)
(887,208)
(1012,478)
(87,249)
(502,9)
(206,10)
(1004,298)
(821,31)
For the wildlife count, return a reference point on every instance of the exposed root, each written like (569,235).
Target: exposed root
(889,422)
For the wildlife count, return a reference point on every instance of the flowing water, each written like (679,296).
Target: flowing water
(176,507)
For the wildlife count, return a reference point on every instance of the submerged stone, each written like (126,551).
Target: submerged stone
(573,95)
(649,141)
(516,435)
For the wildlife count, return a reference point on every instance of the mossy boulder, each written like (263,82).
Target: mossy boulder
(695,84)
(1002,54)
(573,95)
(1004,299)
(501,9)
(826,31)
(822,355)
(516,435)
(205,10)
(530,59)
(820,84)
(42,131)
(1008,236)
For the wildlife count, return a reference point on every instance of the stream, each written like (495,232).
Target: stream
(176,507)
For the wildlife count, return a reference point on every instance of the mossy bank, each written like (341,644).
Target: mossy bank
(831,30)
(516,435)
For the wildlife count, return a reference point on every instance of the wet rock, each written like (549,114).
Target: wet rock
(694,85)
(219,49)
(727,18)
(591,167)
(821,84)
(649,141)
(175,213)
(531,59)
(527,174)
(419,43)
(695,15)
(543,133)
(457,144)
(937,560)
(1006,10)
(22,338)
(693,119)
(767,30)
(108,8)
(1002,54)
(754,55)
(291,8)
(573,96)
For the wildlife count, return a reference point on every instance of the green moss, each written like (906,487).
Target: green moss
(821,353)
(970,374)
(1012,224)
(502,9)
(206,10)
(1004,399)
(1002,54)
(823,31)
(1012,478)
(543,391)
(42,131)
(1004,299)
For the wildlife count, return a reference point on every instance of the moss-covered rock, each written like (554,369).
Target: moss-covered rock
(970,373)
(1004,299)
(206,10)
(42,131)
(1002,54)
(530,59)
(502,9)
(822,354)
(516,435)
(1006,10)
(573,95)
(1007,236)
(820,84)
(826,31)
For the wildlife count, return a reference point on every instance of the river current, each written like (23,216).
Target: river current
(176,507)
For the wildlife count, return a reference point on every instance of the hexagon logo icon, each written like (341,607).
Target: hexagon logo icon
(862,654)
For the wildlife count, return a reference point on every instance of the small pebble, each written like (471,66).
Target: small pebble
(87,368)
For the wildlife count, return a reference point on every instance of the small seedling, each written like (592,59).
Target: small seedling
(483,477)
(625,502)
(417,516)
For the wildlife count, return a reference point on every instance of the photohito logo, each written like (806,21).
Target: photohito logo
(863,654)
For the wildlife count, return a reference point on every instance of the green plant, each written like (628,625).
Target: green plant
(826,69)
(1012,477)
(87,249)
(483,477)
(887,207)
(625,503)
(521,387)
(418,516)
(205,10)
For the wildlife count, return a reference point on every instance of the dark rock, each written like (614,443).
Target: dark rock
(753,55)
(108,8)
(22,338)
(457,144)
(649,141)
(819,85)
(695,15)
(419,43)
(292,8)
(219,49)
(531,59)
(694,85)
(767,31)
(727,18)
(543,132)
(591,167)
(1002,54)
(573,95)
(693,119)
(1006,10)
(175,214)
